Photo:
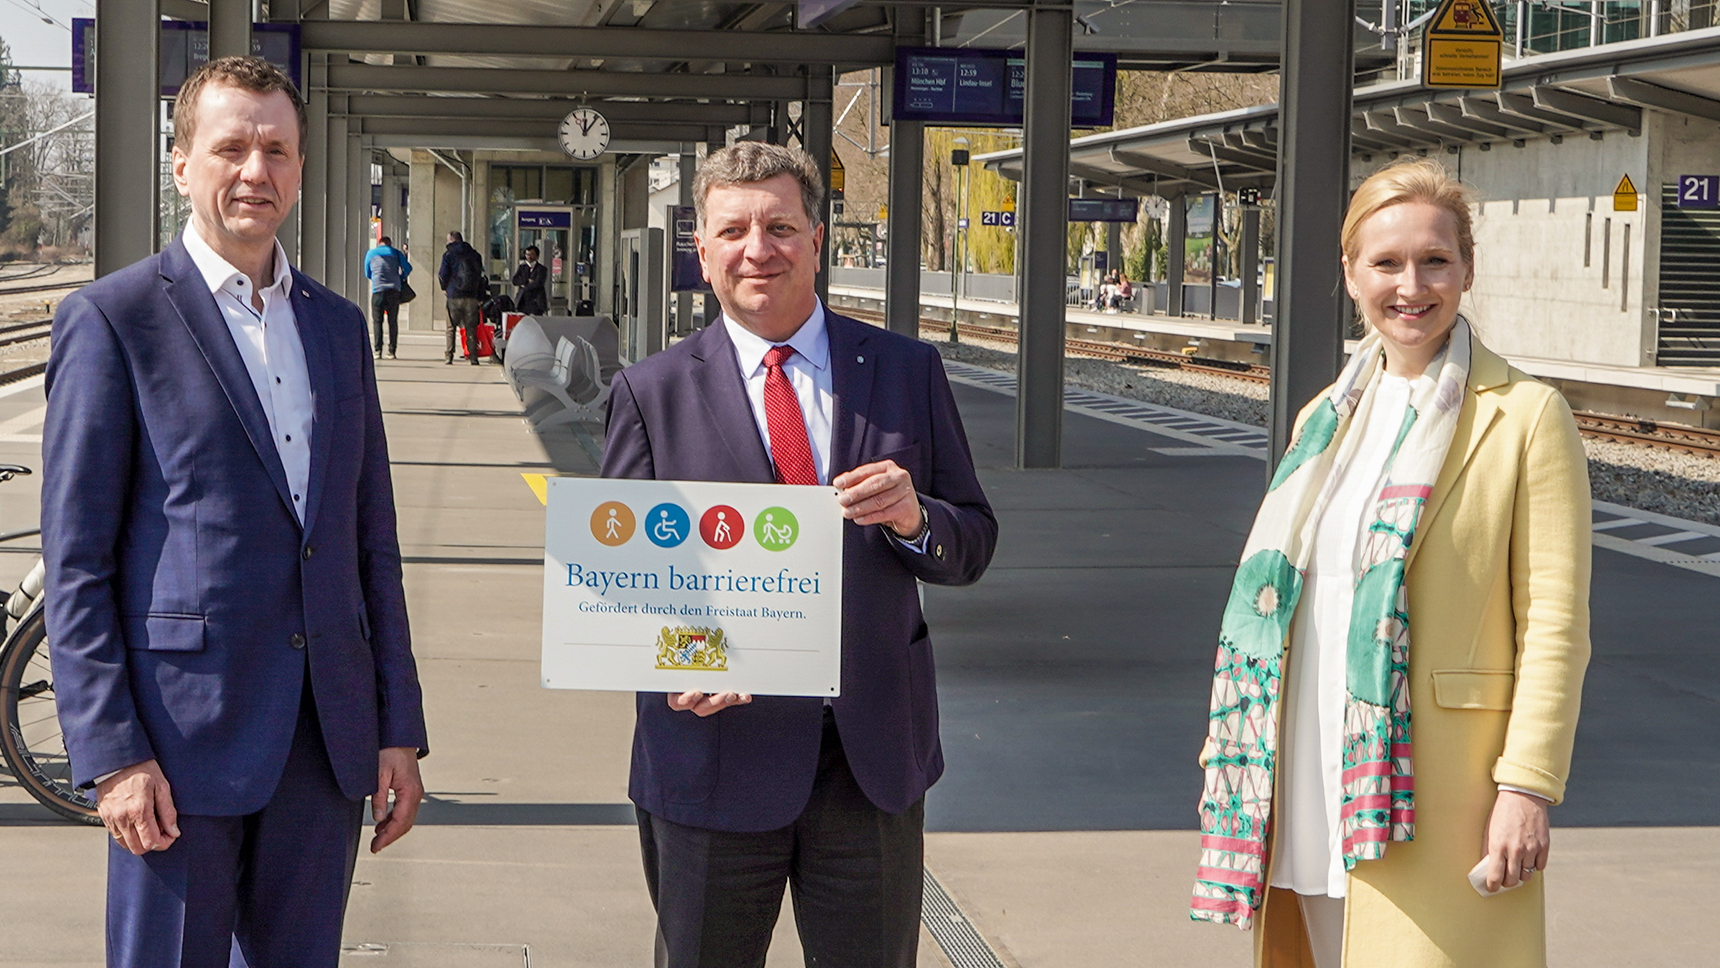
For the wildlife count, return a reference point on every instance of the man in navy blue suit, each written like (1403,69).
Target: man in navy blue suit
(232,663)
(738,796)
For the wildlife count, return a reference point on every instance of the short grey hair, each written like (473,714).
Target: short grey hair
(747,162)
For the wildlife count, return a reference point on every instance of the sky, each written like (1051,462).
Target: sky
(38,44)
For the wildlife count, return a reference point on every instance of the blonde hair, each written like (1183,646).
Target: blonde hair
(1412,180)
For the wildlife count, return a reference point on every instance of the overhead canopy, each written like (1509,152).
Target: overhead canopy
(1580,93)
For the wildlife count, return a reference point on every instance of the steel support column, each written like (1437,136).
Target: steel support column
(1114,246)
(1176,255)
(1250,268)
(689,164)
(1313,190)
(229,28)
(357,221)
(817,120)
(1045,238)
(713,307)
(128,112)
(313,195)
(902,228)
(334,232)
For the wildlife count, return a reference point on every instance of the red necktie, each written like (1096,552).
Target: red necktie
(790,449)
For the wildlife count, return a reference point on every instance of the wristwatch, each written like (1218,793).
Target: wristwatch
(919,536)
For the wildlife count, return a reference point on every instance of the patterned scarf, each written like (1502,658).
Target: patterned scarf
(1241,754)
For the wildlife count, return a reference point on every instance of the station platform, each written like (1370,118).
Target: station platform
(1073,683)
(1638,390)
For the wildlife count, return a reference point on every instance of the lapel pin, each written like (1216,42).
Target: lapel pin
(305,293)
(859,359)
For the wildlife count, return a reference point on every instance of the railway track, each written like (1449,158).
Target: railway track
(45,287)
(1600,426)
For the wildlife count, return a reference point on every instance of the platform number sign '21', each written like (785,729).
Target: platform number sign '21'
(1699,191)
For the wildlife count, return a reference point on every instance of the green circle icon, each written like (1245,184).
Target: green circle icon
(775,529)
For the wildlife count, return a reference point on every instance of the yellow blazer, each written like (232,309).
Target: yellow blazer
(1498,584)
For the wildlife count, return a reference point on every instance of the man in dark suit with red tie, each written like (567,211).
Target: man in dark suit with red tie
(738,797)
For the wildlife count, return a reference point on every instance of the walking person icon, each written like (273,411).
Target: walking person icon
(721,527)
(776,529)
(612,523)
(613,530)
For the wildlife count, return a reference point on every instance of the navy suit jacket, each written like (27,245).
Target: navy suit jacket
(185,602)
(683,415)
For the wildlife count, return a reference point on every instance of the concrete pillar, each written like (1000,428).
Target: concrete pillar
(1250,265)
(1215,256)
(335,229)
(1313,190)
(1045,219)
(423,243)
(903,226)
(688,163)
(1114,246)
(817,119)
(313,196)
(128,139)
(1176,252)
(229,28)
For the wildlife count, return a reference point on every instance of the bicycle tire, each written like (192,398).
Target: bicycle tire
(30,738)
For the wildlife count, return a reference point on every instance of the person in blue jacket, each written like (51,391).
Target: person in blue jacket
(386,268)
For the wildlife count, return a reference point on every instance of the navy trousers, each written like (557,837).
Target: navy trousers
(267,890)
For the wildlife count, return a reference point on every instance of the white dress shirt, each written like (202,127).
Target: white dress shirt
(268,341)
(808,372)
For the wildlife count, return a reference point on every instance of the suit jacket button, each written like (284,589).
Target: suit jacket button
(298,641)
(308,552)
(939,551)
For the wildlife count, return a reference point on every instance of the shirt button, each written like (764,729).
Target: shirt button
(297,641)
(308,549)
(289,438)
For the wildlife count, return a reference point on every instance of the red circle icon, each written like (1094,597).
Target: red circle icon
(722,527)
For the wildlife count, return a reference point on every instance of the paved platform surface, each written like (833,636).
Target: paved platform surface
(1073,683)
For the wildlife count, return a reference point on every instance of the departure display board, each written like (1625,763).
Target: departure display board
(1104,209)
(949,85)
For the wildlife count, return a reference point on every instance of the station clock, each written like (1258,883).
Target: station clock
(584,133)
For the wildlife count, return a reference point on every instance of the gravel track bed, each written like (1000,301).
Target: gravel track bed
(1666,482)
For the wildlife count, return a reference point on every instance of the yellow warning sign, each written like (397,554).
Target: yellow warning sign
(1462,46)
(1468,18)
(883,212)
(1624,196)
(837,174)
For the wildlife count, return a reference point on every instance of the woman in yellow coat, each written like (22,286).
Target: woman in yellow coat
(1402,656)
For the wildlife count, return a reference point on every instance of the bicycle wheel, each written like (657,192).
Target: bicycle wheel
(30,737)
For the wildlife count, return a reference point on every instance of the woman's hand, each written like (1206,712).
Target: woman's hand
(1516,840)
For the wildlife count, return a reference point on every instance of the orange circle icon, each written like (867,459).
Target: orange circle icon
(612,523)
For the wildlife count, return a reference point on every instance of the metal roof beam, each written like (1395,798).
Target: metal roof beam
(1367,139)
(1663,98)
(1488,110)
(432,128)
(554,109)
(491,80)
(1523,106)
(1162,168)
(1388,126)
(1453,116)
(1411,118)
(539,40)
(1582,106)
(1234,156)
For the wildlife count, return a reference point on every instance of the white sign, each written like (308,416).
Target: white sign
(671,586)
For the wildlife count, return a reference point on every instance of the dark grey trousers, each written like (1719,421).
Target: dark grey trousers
(854,871)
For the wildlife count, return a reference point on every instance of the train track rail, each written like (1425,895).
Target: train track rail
(1599,426)
(45,287)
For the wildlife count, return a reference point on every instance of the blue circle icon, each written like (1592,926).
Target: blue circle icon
(667,525)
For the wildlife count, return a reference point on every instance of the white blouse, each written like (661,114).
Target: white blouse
(1306,852)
